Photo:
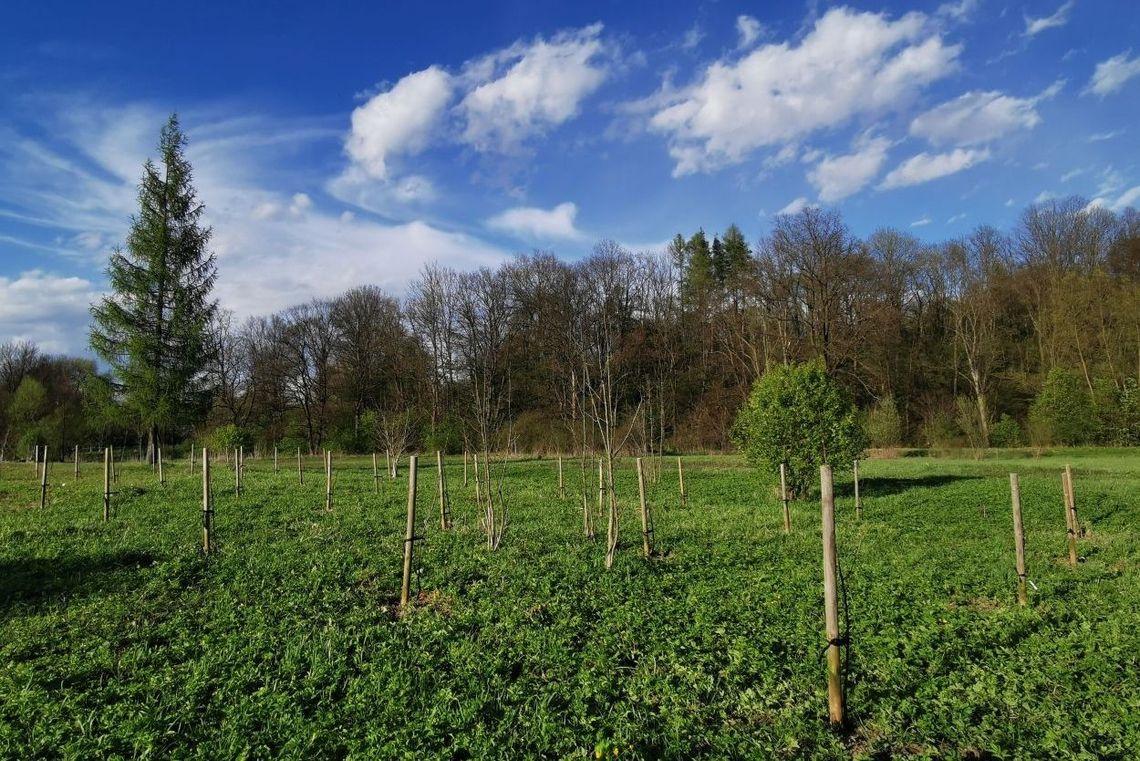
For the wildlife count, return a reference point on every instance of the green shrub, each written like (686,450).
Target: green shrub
(884,424)
(1063,412)
(797,414)
(939,431)
(227,438)
(1006,433)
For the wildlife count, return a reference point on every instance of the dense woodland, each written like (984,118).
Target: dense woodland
(942,345)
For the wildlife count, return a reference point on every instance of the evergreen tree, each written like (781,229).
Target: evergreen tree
(737,255)
(700,276)
(152,329)
(718,260)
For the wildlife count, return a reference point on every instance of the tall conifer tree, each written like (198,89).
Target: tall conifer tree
(152,328)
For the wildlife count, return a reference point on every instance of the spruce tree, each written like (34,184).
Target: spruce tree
(152,328)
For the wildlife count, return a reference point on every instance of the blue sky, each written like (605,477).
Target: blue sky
(339,143)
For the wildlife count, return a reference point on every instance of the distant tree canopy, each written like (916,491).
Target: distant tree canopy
(152,328)
(939,344)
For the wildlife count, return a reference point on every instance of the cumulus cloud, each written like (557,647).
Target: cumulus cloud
(795,206)
(959,11)
(533,222)
(48,309)
(930,166)
(837,177)
(400,120)
(527,88)
(850,63)
(1129,198)
(748,29)
(1034,26)
(1111,75)
(979,117)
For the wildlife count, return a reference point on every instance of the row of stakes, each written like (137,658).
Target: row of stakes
(835,639)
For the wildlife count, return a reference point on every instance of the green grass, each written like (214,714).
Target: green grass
(120,639)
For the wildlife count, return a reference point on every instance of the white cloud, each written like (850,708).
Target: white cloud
(398,121)
(749,30)
(1072,173)
(50,310)
(522,91)
(849,64)
(1111,75)
(532,222)
(956,218)
(1043,196)
(921,221)
(692,38)
(300,204)
(837,177)
(1034,26)
(795,206)
(1098,137)
(979,117)
(926,167)
(959,11)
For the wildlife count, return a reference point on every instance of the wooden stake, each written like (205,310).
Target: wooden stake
(444,516)
(858,501)
(1073,501)
(77,461)
(1018,539)
(161,474)
(409,533)
(328,480)
(477,499)
(275,468)
(835,707)
(375,475)
(646,531)
(300,473)
(464,468)
(43,482)
(784,498)
(106,483)
(561,481)
(681,483)
(241,467)
(207,505)
(237,475)
(1070,514)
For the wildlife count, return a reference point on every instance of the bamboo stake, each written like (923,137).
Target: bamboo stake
(858,501)
(161,474)
(328,480)
(681,483)
(835,707)
(784,498)
(207,505)
(409,533)
(646,531)
(375,475)
(77,461)
(1018,539)
(1070,515)
(300,473)
(43,482)
(444,517)
(561,481)
(106,483)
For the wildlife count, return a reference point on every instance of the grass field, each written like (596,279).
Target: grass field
(121,639)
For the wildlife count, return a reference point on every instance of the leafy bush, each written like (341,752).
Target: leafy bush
(229,437)
(1006,433)
(1063,412)
(447,436)
(884,424)
(797,414)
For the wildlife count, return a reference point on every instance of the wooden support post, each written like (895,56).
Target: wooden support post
(106,483)
(300,472)
(681,483)
(241,467)
(476,468)
(237,475)
(835,707)
(464,468)
(276,470)
(1018,539)
(375,475)
(561,479)
(646,531)
(43,482)
(207,505)
(858,501)
(328,480)
(1070,514)
(191,459)
(784,498)
(441,484)
(161,474)
(409,533)
(1073,501)
(77,461)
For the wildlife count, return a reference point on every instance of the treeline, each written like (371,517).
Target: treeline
(994,339)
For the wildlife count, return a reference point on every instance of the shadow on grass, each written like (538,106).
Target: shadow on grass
(877,486)
(34,580)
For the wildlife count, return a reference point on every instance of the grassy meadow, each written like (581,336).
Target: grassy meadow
(120,639)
